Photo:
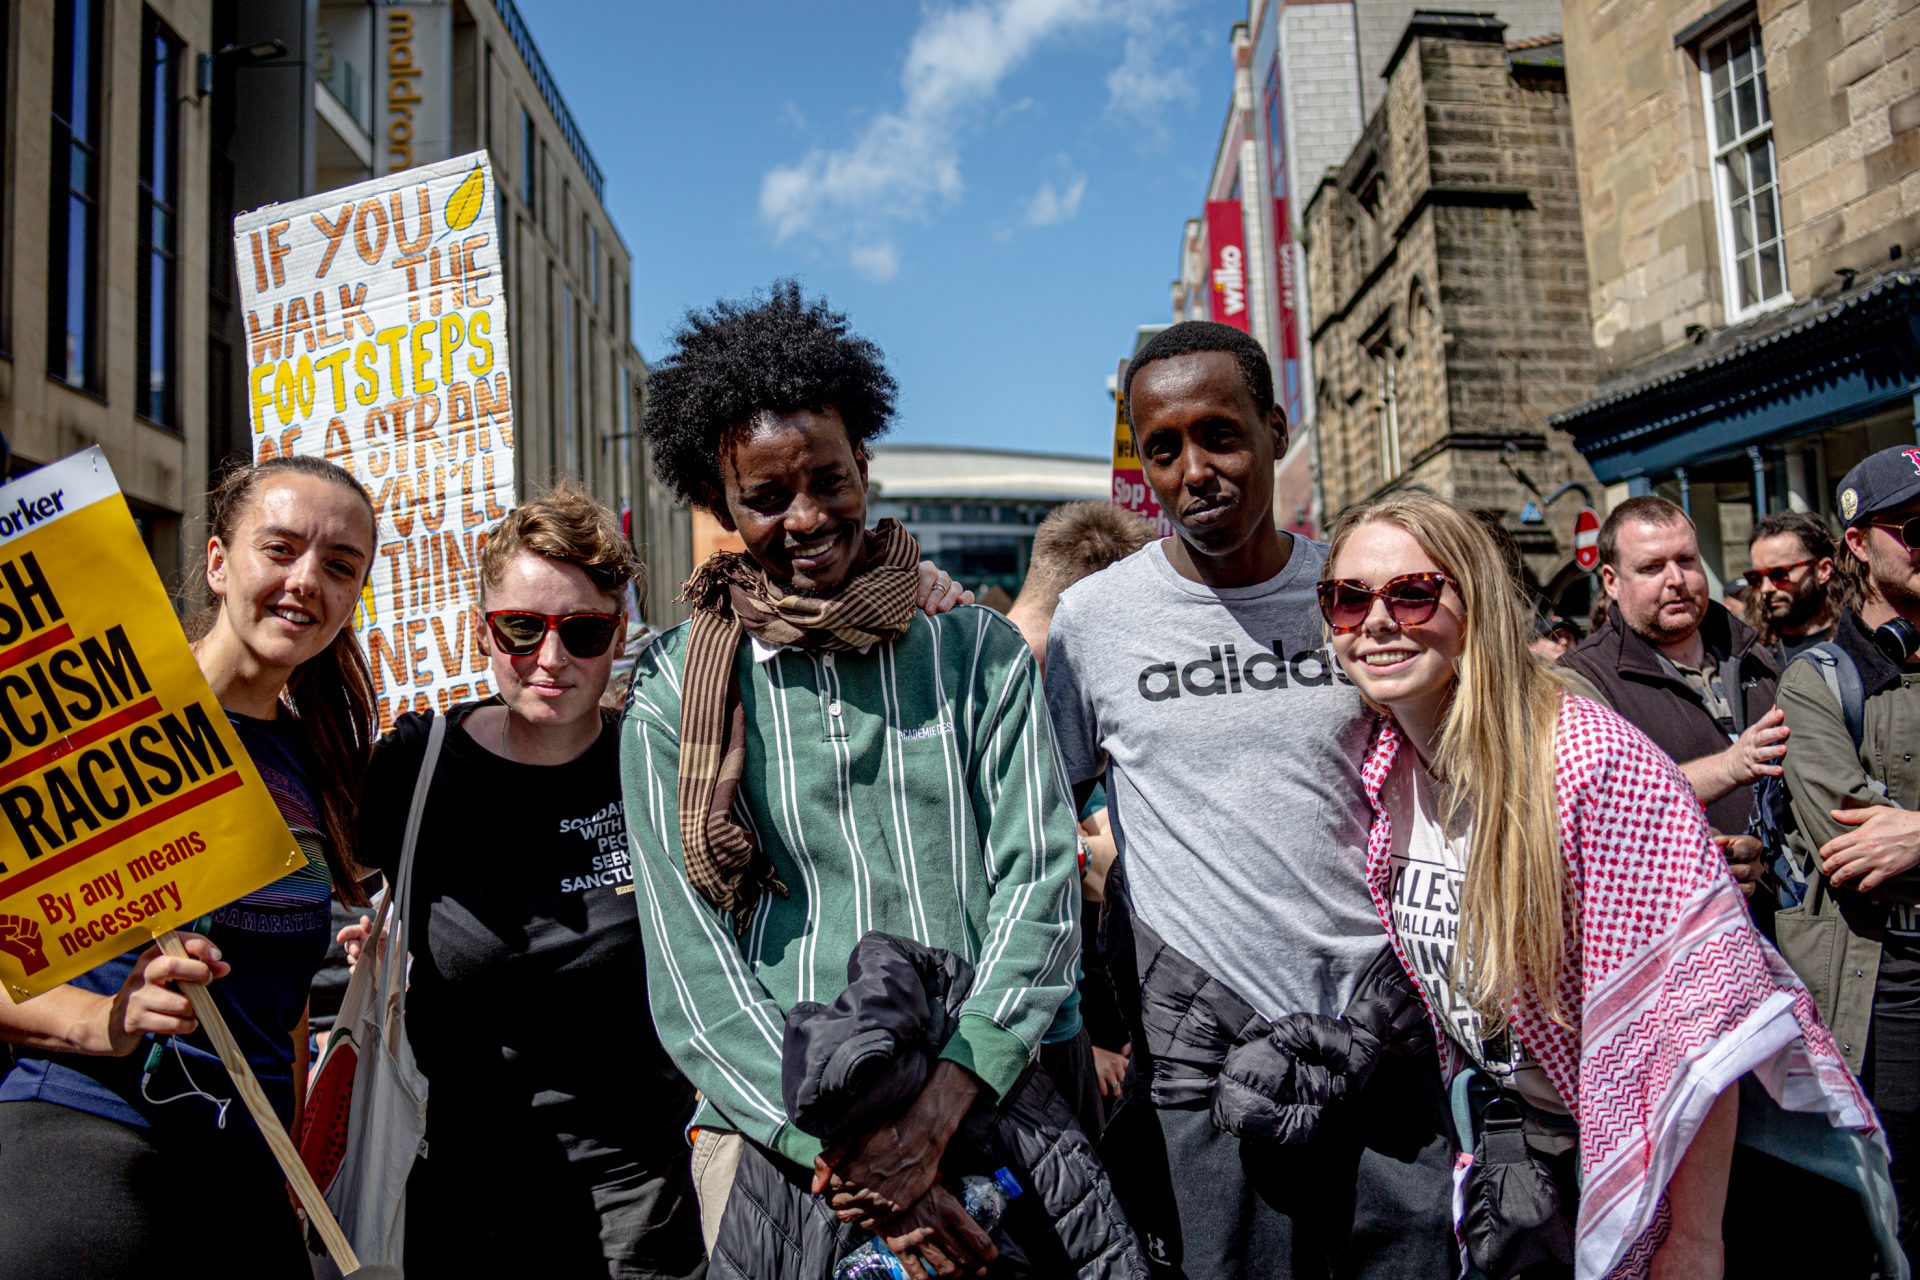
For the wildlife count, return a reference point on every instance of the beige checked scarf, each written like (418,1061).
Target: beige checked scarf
(732,598)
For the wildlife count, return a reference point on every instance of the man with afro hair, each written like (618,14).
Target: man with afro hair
(810,758)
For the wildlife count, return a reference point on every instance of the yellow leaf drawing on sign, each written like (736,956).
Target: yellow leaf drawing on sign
(463,206)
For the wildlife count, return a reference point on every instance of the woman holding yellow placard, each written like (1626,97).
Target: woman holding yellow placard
(118,1149)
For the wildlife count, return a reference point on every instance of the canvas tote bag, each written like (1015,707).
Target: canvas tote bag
(362,1152)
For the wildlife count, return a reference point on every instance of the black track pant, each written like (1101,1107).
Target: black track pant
(92,1199)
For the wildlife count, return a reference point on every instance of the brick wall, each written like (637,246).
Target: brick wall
(1846,111)
(1846,85)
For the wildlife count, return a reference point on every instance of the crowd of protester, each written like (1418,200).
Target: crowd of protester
(1249,906)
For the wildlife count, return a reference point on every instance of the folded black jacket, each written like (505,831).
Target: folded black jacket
(849,1065)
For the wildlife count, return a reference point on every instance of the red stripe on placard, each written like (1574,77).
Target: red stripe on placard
(133,826)
(38,645)
(99,729)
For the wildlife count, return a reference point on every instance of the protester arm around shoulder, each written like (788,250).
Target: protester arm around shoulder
(1754,755)
(68,1019)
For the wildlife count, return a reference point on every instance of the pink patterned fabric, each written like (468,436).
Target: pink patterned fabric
(1671,992)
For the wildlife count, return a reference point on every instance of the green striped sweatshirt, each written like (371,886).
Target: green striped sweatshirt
(914,789)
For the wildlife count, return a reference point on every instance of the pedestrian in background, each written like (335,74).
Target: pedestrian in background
(1553,636)
(1683,670)
(1087,1050)
(1798,592)
(1549,881)
(117,1141)
(1854,794)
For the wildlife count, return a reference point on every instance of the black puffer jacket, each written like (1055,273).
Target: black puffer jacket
(852,1064)
(1277,1083)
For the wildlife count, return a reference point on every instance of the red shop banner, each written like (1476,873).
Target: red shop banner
(1227,264)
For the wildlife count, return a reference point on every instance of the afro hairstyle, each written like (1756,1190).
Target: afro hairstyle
(1191,336)
(777,352)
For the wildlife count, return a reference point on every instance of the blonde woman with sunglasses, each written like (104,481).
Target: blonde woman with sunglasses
(1548,880)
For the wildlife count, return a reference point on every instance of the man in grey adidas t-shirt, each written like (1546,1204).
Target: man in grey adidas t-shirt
(1194,678)
(1231,743)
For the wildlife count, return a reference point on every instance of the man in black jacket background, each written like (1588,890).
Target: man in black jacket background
(1683,670)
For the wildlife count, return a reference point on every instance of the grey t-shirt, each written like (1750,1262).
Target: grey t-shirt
(1231,745)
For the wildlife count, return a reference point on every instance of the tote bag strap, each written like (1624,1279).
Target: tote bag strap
(394,947)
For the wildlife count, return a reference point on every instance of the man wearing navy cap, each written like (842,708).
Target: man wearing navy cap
(1854,792)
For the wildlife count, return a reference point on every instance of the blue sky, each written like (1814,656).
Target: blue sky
(993,190)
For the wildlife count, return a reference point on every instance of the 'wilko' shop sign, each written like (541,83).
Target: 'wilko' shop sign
(377,338)
(1227,264)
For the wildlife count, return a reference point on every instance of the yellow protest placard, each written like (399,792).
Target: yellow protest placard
(376,323)
(127,804)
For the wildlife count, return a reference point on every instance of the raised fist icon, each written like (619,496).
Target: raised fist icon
(20,938)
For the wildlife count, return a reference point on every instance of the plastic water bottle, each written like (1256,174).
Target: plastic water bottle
(984,1199)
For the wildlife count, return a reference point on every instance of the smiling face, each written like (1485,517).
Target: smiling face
(1657,582)
(796,493)
(289,573)
(1208,452)
(1406,668)
(549,688)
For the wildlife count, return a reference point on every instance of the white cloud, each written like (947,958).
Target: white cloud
(904,166)
(1051,205)
(879,261)
(1156,72)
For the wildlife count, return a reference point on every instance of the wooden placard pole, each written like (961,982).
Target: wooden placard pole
(277,1138)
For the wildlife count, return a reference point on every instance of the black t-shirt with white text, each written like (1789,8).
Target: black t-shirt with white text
(527,1008)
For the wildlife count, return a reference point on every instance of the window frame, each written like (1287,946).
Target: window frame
(153,33)
(529,160)
(61,198)
(1719,164)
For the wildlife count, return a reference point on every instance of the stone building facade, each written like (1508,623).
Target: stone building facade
(1448,288)
(1307,75)
(1751,183)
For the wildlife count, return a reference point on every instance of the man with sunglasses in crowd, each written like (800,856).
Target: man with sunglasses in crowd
(808,760)
(1854,793)
(1683,670)
(1795,590)
(1193,678)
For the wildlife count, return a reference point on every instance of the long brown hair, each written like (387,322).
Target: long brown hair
(331,693)
(1497,748)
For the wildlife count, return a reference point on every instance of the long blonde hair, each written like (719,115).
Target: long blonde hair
(1497,749)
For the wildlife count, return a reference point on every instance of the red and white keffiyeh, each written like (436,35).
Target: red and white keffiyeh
(1673,994)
